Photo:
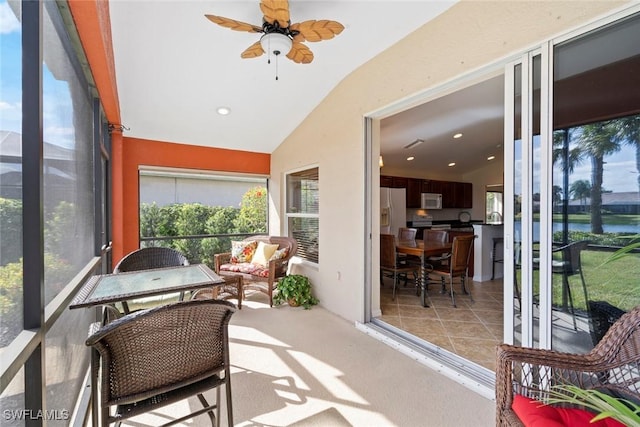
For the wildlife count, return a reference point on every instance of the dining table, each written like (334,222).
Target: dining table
(423,249)
(108,289)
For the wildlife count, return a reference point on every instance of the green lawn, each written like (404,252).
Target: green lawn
(617,282)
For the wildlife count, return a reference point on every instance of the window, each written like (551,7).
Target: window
(199,214)
(303,201)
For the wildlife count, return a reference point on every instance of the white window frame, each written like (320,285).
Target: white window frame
(297,214)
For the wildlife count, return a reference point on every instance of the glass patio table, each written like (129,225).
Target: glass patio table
(120,287)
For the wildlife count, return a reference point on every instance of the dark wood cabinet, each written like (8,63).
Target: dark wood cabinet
(455,195)
(393,181)
(386,181)
(414,193)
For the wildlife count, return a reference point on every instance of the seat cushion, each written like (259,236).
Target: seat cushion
(534,413)
(246,268)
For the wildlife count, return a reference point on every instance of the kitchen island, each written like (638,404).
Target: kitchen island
(484,251)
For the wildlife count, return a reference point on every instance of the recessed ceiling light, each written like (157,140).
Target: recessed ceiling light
(491,157)
(410,158)
(452,164)
(457,135)
(223,111)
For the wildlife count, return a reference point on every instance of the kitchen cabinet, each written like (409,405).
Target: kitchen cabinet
(414,193)
(393,181)
(455,195)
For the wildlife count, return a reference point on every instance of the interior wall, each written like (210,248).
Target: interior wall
(466,37)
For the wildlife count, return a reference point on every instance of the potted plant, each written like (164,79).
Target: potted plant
(295,289)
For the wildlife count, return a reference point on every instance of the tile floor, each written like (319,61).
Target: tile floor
(471,330)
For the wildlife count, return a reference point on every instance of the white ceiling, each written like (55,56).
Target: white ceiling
(477,112)
(174,67)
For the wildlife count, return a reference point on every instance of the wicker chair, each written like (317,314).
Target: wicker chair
(259,279)
(613,366)
(156,357)
(147,259)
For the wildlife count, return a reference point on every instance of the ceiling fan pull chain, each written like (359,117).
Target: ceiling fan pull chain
(277,66)
(269,52)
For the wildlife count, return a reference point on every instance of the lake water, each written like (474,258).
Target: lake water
(557,226)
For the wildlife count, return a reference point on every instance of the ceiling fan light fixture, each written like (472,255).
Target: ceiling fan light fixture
(276,43)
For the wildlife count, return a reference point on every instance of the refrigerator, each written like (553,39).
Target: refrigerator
(393,210)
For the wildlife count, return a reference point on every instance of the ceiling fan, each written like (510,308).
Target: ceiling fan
(280,36)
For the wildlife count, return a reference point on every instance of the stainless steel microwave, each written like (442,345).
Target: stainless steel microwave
(431,201)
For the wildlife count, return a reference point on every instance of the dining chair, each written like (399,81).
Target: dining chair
(441,236)
(457,265)
(405,233)
(147,259)
(155,357)
(389,262)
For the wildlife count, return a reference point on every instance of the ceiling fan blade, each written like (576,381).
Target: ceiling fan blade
(233,24)
(300,53)
(276,10)
(315,31)
(253,51)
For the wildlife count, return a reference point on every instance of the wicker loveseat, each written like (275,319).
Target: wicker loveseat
(612,367)
(260,260)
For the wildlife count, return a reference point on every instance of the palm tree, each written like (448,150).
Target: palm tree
(630,133)
(556,196)
(581,189)
(598,140)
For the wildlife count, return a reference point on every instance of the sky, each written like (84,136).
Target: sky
(57,105)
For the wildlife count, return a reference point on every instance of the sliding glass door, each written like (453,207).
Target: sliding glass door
(572,144)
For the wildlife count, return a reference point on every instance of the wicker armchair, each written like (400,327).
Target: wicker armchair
(263,279)
(613,366)
(156,357)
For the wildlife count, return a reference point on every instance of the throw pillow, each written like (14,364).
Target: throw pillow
(243,251)
(279,254)
(264,251)
(534,413)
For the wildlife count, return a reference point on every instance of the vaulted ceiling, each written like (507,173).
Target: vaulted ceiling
(175,68)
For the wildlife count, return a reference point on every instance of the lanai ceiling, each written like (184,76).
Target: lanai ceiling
(174,68)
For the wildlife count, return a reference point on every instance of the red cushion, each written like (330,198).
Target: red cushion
(533,413)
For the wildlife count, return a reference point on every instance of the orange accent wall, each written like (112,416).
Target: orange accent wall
(93,24)
(142,152)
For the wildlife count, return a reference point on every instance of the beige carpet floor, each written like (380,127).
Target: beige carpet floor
(296,367)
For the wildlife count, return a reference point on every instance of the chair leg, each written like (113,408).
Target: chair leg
(395,283)
(565,282)
(227,389)
(453,298)
(205,404)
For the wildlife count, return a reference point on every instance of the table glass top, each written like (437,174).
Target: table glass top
(148,280)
